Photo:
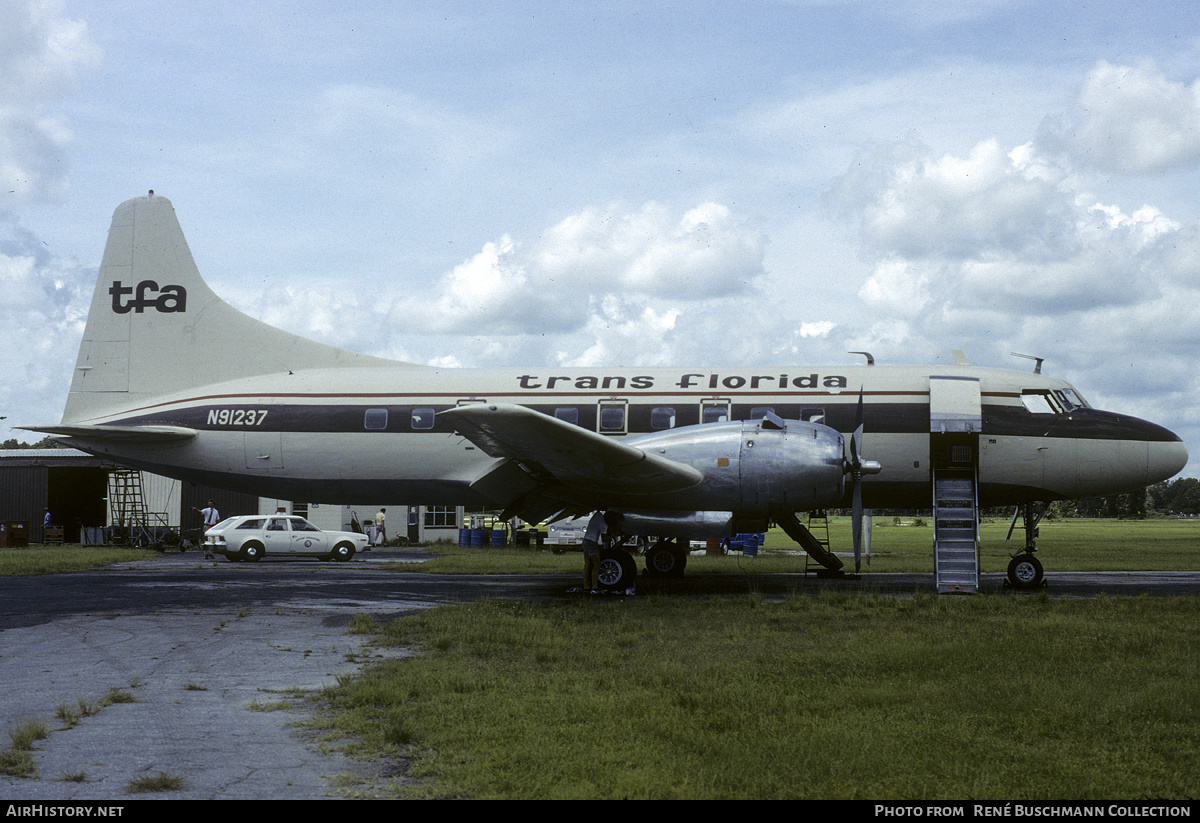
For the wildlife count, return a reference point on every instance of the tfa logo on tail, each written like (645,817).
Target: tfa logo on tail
(148,295)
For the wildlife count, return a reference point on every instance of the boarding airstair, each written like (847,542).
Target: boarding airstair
(955,420)
(956,531)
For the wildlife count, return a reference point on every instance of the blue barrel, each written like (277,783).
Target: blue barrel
(464,537)
(750,544)
(499,537)
(478,537)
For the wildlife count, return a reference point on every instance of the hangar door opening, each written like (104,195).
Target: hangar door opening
(77,498)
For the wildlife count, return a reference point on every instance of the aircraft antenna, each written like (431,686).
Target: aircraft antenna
(1037,366)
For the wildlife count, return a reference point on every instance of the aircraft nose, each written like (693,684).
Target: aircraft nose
(1165,459)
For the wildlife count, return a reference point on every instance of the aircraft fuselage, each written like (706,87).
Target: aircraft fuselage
(351,435)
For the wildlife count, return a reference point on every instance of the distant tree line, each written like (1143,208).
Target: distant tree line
(1174,497)
(44,443)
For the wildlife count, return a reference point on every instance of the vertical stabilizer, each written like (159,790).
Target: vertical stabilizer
(155,327)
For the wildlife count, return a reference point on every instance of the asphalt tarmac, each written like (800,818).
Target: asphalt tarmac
(221,660)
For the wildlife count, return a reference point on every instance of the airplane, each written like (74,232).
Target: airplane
(173,380)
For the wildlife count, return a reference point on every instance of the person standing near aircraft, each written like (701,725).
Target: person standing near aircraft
(595,537)
(211,517)
(380,529)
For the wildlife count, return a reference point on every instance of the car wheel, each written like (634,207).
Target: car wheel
(343,552)
(252,552)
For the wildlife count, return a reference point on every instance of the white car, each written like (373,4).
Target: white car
(249,537)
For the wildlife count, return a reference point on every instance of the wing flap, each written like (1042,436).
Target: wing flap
(556,451)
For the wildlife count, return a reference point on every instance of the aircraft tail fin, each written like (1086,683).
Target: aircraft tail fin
(156,328)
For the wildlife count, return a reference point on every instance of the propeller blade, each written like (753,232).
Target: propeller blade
(857,435)
(867,527)
(857,524)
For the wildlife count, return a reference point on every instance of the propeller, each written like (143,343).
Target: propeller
(856,468)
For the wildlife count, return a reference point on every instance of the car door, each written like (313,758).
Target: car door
(307,538)
(277,536)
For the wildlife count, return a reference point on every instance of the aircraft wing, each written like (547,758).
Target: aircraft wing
(124,434)
(556,452)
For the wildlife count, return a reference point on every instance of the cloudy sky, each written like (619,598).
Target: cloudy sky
(627,183)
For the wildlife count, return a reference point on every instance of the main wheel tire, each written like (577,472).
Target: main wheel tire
(252,552)
(343,552)
(617,570)
(1025,572)
(665,559)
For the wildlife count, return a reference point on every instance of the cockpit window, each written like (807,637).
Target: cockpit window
(1041,402)
(1047,401)
(1074,398)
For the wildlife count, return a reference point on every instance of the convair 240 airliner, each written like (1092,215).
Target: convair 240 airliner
(173,380)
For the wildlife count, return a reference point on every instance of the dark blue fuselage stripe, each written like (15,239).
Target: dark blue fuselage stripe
(414,418)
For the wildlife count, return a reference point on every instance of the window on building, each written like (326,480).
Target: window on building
(443,516)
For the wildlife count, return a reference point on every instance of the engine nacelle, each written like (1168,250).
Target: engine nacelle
(751,467)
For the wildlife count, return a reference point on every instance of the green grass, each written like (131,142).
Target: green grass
(63,559)
(1067,545)
(816,697)
(161,782)
(1064,545)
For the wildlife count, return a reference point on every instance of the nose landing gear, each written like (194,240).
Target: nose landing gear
(1025,570)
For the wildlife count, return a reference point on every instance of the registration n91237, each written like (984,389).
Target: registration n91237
(236,417)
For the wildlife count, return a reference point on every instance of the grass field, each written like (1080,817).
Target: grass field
(816,697)
(39,559)
(1067,545)
(832,696)
(828,696)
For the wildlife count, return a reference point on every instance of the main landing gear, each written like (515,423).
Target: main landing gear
(1025,570)
(665,557)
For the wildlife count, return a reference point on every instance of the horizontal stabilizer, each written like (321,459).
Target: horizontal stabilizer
(124,434)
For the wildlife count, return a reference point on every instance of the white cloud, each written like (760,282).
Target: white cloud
(594,269)
(1130,119)
(965,206)
(41,56)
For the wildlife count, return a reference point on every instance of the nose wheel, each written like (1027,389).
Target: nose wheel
(1025,572)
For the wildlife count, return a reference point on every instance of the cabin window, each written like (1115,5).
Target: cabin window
(375,419)
(612,419)
(568,414)
(662,418)
(813,415)
(715,414)
(422,418)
